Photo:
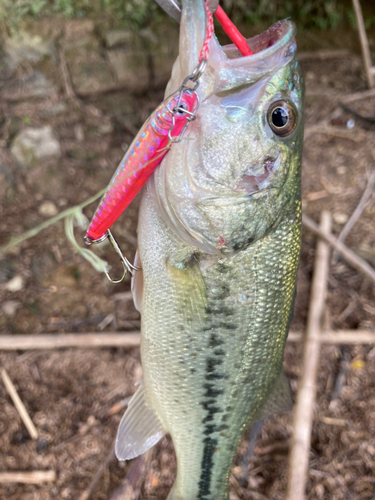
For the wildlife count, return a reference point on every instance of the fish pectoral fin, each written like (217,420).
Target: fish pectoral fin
(189,290)
(280,399)
(139,429)
(137,283)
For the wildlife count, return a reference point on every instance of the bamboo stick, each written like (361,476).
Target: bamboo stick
(34,477)
(304,409)
(339,337)
(20,407)
(364,44)
(126,339)
(63,341)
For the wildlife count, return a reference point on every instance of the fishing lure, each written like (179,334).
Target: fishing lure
(165,126)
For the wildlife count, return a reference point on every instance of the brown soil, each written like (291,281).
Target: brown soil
(71,394)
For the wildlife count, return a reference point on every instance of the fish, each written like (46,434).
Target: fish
(219,236)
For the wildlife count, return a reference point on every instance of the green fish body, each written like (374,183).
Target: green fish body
(219,243)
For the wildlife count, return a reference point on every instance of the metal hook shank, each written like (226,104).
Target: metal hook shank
(128,267)
(173,7)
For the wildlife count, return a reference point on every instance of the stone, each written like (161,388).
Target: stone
(89,69)
(47,209)
(33,84)
(33,144)
(10,307)
(16,284)
(31,48)
(340,218)
(130,67)
(117,37)
(53,110)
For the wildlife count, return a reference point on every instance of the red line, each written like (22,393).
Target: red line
(233,33)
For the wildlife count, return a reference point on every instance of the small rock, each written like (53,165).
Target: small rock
(33,144)
(16,284)
(130,67)
(25,47)
(53,110)
(10,307)
(47,209)
(33,84)
(340,218)
(117,37)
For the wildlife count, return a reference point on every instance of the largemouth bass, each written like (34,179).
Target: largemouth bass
(219,243)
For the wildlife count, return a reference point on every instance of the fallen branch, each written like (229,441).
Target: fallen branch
(133,339)
(63,341)
(358,211)
(20,407)
(66,78)
(323,54)
(334,131)
(130,488)
(304,409)
(98,475)
(35,477)
(339,337)
(358,96)
(36,230)
(350,257)
(348,98)
(364,43)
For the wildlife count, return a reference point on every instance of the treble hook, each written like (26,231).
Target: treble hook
(128,267)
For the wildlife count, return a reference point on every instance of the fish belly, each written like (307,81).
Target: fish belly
(213,335)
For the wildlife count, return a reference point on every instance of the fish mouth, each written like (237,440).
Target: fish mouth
(272,49)
(275,36)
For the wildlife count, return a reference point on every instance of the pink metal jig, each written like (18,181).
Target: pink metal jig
(165,126)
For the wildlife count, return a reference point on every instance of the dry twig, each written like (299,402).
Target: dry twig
(34,477)
(130,488)
(132,339)
(98,474)
(334,131)
(63,341)
(351,257)
(358,211)
(66,78)
(323,54)
(20,407)
(364,44)
(303,413)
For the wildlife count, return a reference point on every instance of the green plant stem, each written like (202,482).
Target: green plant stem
(36,230)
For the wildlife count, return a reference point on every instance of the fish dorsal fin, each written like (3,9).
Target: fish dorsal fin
(279,400)
(139,428)
(137,283)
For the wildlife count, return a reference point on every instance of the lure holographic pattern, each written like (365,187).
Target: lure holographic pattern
(147,150)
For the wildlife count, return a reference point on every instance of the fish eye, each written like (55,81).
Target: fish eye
(282,118)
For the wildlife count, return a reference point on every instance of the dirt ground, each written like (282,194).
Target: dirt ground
(76,397)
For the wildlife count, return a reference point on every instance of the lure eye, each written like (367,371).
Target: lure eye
(282,118)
